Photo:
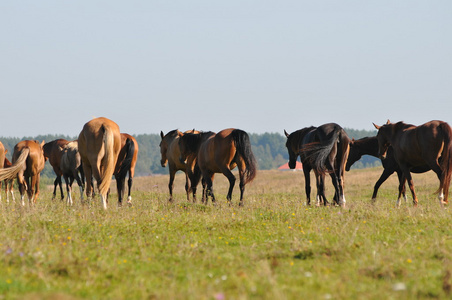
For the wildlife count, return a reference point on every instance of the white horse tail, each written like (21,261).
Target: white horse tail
(19,164)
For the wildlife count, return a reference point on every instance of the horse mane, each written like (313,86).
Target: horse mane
(297,136)
(193,141)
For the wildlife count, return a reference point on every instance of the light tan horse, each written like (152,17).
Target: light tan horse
(28,162)
(99,144)
(127,159)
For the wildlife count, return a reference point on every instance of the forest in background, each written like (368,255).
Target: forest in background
(269,149)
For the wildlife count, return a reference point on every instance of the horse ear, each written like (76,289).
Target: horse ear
(42,143)
(388,122)
(6,151)
(376,126)
(285,132)
(162,135)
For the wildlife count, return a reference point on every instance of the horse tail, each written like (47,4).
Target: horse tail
(318,152)
(446,157)
(127,162)
(109,160)
(243,146)
(11,172)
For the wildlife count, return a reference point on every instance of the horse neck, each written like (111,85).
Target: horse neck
(367,146)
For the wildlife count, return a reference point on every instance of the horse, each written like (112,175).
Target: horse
(369,146)
(53,151)
(127,159)
(323,149)
(71,166)
(189,145)
(222,152)
(28,162)
(8,182)
(170,154)
(99,144)
(429,144)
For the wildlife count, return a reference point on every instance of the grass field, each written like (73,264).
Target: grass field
(275,247)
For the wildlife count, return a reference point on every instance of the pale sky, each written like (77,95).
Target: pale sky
(261,66)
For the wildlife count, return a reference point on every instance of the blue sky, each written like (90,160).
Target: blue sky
(262,66)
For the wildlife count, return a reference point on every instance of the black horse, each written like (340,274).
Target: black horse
(369,146)
(323,149)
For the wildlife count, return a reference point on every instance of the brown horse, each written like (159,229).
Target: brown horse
(170,154)
(369,146)
(127,159)
(28,162)
(71,166)
(222,152)
(99,144)
(323,149)
(429,145)
(189,145)
(53,151)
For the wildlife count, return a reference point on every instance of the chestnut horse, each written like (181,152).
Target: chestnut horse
(369,146)
(53,151)
(323,149)
(71,166)
(99,144)
(222,152)
(429,145)
(170,154)
(189,145)
(127,159)
(28,162)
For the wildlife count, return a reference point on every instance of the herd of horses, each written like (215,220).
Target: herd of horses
(101,152)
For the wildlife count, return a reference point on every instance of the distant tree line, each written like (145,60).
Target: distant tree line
(269,149)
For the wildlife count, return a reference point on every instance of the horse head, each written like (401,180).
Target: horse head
(383,136)
(291,149)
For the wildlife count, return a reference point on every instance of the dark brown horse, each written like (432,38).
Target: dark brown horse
(170,154)
(429,145)
(28,162)
(189,145)
(99,144)
(323,149)
(127,159)
(71,168)
(53,151)
(222,152)
(369,146)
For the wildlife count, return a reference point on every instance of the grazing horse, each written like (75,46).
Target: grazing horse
(222,152)
(53,151)
(99,144)
(189,145)
(71,166)
(369,146)
(170,153)
(28,162)
(323,149)
(127,159)
(429,145)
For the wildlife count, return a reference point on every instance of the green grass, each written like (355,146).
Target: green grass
(273,248)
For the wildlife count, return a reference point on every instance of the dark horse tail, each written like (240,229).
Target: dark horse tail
(243,146)
(446,157)
(127,162)
(318,152)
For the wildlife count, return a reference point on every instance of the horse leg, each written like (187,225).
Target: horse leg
(171,183)
(402,185)
(129,192)
(187,185)
(209,189)
(79,182)
(120,186)
(231,178)
(60,183)
(10,184)
(307,183)
(195,181)
(407,177)
(55,184)
(385,175)
(89,181)
(321,190)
